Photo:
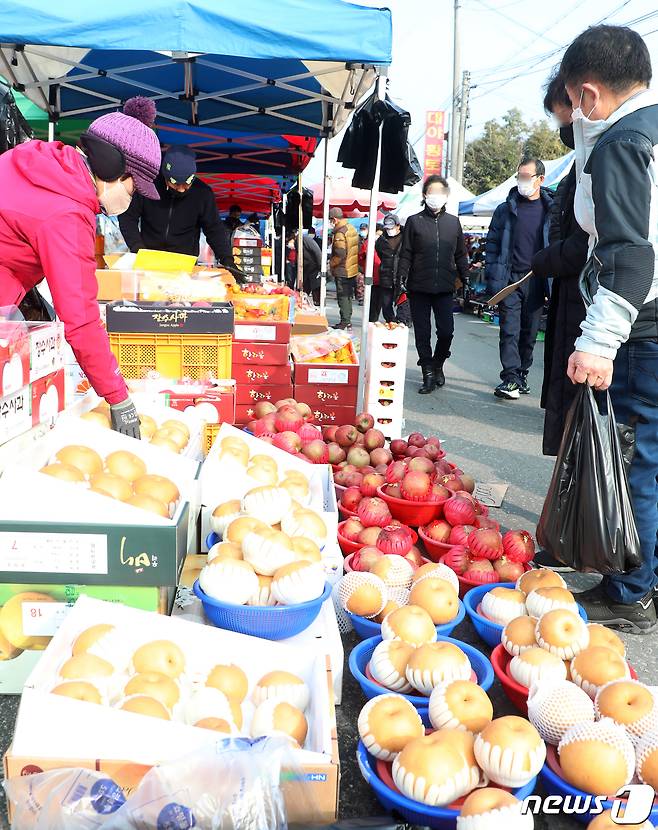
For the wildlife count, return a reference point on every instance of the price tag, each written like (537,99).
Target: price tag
(63,553)
(42,619)
(248,332)
(328,376)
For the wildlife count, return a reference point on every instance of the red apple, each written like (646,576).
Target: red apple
(518,546)
(351,528)
(339,478)
(285,402)
(394,540)
(416,439)
(269,422)
(380,456)
(351,498)
(459,511)
(364,421)
(263,408)
(396,472)
(354,479)
(415,486)
(439,531)
(431,451)
(481,571)
(360,440)
(346,435)
(369,535)
(452,482)
(329,434)
(370,483)
(468,482)
(288,441)
(308,433)
(458,559)
(374,440)
(358,456)
(288,419)
(336,453)
(507,570)
(367,556)
(374,512)
(485,543)
(421,465)
(459,534)
(442,467)
(433,439)
(316,451)
(411,451)
(394,491)
(305,411)
(398,446)
(381,469)
(414,556)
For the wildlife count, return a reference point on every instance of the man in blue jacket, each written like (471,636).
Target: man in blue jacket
(518,229)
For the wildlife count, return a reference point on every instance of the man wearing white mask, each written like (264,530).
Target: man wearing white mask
(519,228)
(432,253)
(607,71)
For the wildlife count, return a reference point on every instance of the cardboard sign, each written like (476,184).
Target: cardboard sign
(490,494)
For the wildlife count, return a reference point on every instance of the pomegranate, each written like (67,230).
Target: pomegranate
(459,534)
(374,512)
(518,546)
(351,498)
(364,421)
(459,511)
(288,419)
(415,486)
(508,570)
(351,528)
(393,539)
(316,451)
(288,441)
(485,521)
(395,472)
(458,559)
(481,571)
(439,531)
(370,483)
(398,446)
(485,543)
(346,435)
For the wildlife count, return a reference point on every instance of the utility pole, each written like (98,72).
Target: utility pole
(463,119)
(456,72)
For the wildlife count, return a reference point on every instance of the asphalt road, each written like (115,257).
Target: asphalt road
(493,440)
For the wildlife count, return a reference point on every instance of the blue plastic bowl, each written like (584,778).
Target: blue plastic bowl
(368,628)
(555,785)
(490,631)
(212,539)
(269,622)
(414,812)
(361,654)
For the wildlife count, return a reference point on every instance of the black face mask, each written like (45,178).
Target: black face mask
(174,194)
(566,136)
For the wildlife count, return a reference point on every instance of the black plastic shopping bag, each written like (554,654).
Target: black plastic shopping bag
(587,521)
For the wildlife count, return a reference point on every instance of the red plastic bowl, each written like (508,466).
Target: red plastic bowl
(344,512)
(435,550)
(516,693)
(412,513)
(347,562)
(346,545)
(465,585)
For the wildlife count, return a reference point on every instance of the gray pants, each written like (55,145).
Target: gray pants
(344,295)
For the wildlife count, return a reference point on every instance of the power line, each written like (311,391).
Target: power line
(518,23)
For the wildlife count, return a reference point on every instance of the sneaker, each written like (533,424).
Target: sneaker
(634,618)
(524,389)
(543,559)
(508,389)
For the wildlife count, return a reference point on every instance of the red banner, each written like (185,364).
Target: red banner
(434,142)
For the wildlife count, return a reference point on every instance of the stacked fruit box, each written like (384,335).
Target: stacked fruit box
(261,365)
(330,390)
(386,366)
(251,258)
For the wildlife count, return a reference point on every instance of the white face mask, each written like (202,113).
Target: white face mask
(586,133)
(363,234)
(435,201)
(526,188)
(115,199)
(392,231)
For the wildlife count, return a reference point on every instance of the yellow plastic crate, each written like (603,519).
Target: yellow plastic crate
(175,356)
(209,434)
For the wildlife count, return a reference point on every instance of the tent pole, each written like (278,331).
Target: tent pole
(325,228)
(284,247)
(370,255)
(51,131)
(300,238)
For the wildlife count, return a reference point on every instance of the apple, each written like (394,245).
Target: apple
(354,479)
(380,456)
(507,570)
(358,456)
(369,535)
(305,411)
(368,555)
(351,498)
(394,491)
(263,408)
(329,434)
(351,529)
(288,441)
(398,446)
(370,483)
(439,531)
(336,453)
(414,556)
(421,465)
(346,435)
(416,439)
(364,421)
(374,440)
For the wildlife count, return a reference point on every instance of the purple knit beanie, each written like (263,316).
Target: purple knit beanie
(131,132)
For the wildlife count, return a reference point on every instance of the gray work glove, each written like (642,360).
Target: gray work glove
(125,419)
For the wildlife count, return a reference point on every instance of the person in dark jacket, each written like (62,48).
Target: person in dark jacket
(234,219)
(185,208)
(563,259)
(518,229)
(432,253)
(312,265)
(387,247)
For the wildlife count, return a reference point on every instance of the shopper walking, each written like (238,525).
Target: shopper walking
(312,264)
(519,228)
(344,263)
(50,195)
(563,260)
(387,248)
(607,72)
(432,253)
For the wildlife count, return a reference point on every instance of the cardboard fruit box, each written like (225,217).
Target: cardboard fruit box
(31,614)
(249,395)
(57,532)
(314,374)
(14,357)
(53,731)
(320,395)
(222,481)
(331,415)
(246,374)
(254,353)
(48,397)
(158,318)
(47,349)
(261,331)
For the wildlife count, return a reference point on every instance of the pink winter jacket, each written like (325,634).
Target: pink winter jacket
(48,208)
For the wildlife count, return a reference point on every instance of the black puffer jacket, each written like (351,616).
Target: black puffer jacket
(388,248)
(563,260)
(433,253)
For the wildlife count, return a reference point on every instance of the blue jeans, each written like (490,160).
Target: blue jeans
(634,394)
(520,316)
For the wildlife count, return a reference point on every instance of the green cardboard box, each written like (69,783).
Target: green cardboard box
(31,613)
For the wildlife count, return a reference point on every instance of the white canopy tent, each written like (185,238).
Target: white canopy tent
(410,202)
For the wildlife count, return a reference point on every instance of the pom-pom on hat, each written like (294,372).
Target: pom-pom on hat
(131,133)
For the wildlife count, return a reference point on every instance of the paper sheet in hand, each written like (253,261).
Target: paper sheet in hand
(509,289)
(147,260)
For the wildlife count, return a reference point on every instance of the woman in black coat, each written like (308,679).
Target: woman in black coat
(563,260)
(433,252)
(387,247)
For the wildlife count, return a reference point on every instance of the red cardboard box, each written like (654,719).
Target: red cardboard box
(325,374)
(15,414)
(252,393)
(260,354)
(46,349)
(262,332)
(48,397)
(323,396)
(244,413)
(204,398)
(248,374)
(333,415)
(14,358)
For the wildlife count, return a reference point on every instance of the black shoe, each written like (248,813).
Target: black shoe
(343,326)
(634,618)
(543,559)
(439,377)
(524,389)
(429,384)
(508,389)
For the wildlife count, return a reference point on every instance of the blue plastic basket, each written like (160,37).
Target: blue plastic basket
(490,631)
(212,539)
(270,622)
(555,785)
(368,628)
(361,654)
(442,818)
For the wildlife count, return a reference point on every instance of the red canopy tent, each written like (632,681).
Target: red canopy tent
(351,200)
(254,194)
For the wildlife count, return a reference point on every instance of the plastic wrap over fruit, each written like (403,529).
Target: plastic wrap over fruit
(233,784)
(332,347)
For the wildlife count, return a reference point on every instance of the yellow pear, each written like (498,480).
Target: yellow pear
(11,621)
